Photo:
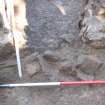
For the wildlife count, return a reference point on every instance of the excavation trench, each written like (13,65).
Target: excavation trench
(55,53)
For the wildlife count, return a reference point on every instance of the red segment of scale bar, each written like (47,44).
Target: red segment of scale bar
(81,83)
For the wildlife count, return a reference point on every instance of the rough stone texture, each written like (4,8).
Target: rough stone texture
(93,32)
(53,44)
(83,76)
(65,66)
(6,50)
(31,64)
(5,47)
(88,64)
(7,64)
(50,56)
(3,39)
(32,68)
(31,57)
(100,75)
(50,23)
(68,67)
(93,29)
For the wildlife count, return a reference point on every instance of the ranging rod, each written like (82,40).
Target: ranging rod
(46,84)
(15,34)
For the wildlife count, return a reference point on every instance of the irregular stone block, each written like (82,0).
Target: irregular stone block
(32,68)
(65,66)
(83,76)
(31,64)
(93,26)
(50,56)
(88,64)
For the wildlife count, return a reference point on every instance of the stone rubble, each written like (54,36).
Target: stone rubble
(92,29)
(50,56)
(83,76)
(31,64)
(88,64)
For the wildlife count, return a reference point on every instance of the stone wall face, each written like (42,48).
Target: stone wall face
(93,24)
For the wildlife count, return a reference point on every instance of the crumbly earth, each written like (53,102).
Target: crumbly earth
(50,30)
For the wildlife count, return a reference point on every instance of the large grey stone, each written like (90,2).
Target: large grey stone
(68,68)
(31,64)
(32,68)
(65,66)
(51,56)
(88,64)
(94,32)
(83,76)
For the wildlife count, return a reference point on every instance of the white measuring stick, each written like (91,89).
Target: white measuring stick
(10,15)
(30,84)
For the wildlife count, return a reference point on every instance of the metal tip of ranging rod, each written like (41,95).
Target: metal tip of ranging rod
(15,35)
(18,63)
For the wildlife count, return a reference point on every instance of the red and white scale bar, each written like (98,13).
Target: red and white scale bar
(46,84)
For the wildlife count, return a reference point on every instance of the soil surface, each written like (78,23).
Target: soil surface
(50,30)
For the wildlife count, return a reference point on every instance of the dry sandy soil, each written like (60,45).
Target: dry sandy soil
(47,25)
